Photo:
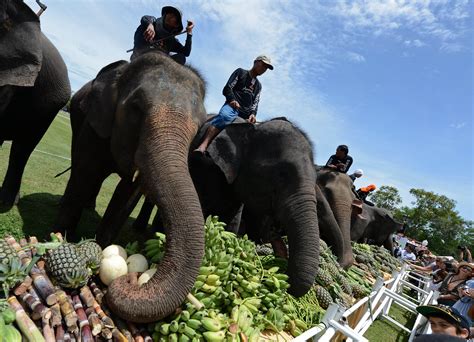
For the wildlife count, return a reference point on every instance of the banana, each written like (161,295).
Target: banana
(212,279)
(182,338)
(207,270)
(214,336)
(173,337)
(194,323)
(165,329)
(174,326)
(211,324)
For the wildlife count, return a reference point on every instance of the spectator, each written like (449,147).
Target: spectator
(445,320)
(397,251)
(465,304)
(357,174)
(341,161)
(365,191)
(407,253)
(448,289)
(437,338)
(464,254)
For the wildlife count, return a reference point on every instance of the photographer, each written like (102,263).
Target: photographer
(464,254)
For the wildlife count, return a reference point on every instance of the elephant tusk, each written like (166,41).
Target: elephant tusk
(135,175)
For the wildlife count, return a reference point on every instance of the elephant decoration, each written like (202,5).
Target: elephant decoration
(141,117)
(377,227)
(267,168)
(34,86)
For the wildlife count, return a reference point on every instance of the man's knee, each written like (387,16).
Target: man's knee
(179,58)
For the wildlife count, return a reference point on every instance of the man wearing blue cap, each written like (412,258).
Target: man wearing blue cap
(160,33)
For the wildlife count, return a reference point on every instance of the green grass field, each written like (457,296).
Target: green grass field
(40,191)
(383,330)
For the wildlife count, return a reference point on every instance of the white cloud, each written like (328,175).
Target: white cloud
(415,43)
(457,125)
(355,57)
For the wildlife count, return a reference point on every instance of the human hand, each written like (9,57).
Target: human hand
(189,27)
(252,119)
(234,104)
(149,33)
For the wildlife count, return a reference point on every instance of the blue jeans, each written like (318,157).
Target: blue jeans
(226,115)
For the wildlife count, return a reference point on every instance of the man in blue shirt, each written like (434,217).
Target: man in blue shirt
(242,94)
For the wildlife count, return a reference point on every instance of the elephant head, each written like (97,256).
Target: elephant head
(20,44)
(377,227)
(150,110)
(269,168)
(336,187)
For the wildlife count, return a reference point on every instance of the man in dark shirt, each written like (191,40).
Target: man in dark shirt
(242,93)
(160,34)
(341,161)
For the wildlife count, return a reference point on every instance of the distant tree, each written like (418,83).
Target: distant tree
(433,217)
(386,197)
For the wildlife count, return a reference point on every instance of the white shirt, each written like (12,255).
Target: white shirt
(408,256)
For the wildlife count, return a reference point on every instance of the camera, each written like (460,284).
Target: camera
(462,248)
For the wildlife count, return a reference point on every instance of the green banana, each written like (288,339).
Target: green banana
(194,323)
(214,336)
(211,324)
(12,334)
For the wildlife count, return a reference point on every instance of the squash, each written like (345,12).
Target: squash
(111,268)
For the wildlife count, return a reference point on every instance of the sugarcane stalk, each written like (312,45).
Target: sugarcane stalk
(26,325)
(48,332)
(23,287)
(94,321)
(106,333)
(44,286)
(146,336)
(194,301)
(67,336)
(60,332)
(24,258)
(118,336)
(122,326)
(67,311)
(56,317)
(87,296)
(137,337)
(25,247)
(86,333)
(98,294)
(38,310)
(108,323)
(59,236)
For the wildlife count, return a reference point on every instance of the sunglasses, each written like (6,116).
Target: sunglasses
(467,268)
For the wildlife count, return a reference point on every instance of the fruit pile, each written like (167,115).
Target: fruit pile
(53,291)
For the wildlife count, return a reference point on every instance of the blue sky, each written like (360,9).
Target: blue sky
(392,79)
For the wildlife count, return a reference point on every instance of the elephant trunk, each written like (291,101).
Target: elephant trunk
(342,213)
(162,159)
(301,222)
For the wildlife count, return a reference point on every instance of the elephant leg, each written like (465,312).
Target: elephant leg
(234,223)
(19,154)
(125,198)
(141,221)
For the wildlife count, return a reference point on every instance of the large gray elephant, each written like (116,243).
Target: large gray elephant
(268,168)
(34,86)
(142,116)
(377,227)
(336,188)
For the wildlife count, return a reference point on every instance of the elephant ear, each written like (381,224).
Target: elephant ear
(101,101)
(20,44)
(228,149)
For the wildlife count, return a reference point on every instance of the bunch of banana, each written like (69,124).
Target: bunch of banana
(155,248)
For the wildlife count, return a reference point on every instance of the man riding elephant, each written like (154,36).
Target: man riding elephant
(160,33)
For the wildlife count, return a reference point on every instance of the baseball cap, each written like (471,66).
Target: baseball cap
(359,172)
(443,311)
(265,59)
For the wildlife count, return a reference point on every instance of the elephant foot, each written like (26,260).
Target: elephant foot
(8,200)
(279,248)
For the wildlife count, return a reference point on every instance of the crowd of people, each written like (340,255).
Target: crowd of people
(454,280)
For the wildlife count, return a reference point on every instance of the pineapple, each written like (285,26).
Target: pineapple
(7,253)
(323,278)
(67,267)
(345,285)
(359,291)
(323,296)
(92,252)
(332,268)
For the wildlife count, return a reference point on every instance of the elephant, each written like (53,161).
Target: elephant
(267,168)
(377,228)
(340,206)
(34,86)
(141,117)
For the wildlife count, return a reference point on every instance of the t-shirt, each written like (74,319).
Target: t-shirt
(244,89)
(347,161)
(408,255)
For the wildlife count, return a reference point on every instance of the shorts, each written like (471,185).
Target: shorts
(226,115)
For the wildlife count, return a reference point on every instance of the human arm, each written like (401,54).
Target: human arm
(186,49)
(344,167)
(331,162)
(468,254)
(148,22)
(228,90)
(253,116)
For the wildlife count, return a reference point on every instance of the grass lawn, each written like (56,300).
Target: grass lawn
(385,331)
(40,192)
